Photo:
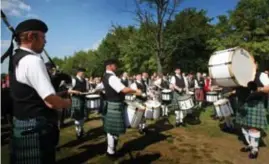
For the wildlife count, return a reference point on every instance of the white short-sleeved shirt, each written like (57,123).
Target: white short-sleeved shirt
(264,79)
(99,86)
(32,71)
(115,82)
(74,82)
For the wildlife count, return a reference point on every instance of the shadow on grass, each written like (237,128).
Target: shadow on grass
(90,151)
(148,158)
(91,134)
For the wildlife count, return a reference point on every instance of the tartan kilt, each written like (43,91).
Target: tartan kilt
(33,148)
(114,118)
(174,103)
(199,94)
(78,107)
(252,116)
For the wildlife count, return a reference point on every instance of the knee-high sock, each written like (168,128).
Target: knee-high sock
(254,139)
(165,110)
(142,124)
(180,115)
(246,135)
(229,122)
(79,125)
(112,141)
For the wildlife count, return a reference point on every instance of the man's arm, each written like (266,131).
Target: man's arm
(37,76)
(117,85)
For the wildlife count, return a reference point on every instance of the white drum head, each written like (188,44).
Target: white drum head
(153,104)
(166,91)
(243,67)
(92,96)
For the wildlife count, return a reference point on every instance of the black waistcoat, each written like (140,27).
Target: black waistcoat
(110,93)
(26,101)
(180,82)
(201,82)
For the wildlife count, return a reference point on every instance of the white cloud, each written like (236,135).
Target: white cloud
(17,8)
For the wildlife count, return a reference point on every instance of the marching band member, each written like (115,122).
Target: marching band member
(124,79)
(35,103)
(252,115)
(79,85)
(114,124)
(180,85)
(145,79)
(138,84)
(162,83)
(199,89)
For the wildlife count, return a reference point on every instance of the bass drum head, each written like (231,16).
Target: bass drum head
(243,67)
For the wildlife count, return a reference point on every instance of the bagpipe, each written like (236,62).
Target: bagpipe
(57,78)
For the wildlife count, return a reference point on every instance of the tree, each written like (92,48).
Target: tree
(154,17)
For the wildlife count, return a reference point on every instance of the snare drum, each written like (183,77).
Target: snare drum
(212,96)
(130,97)
(185,102)
(134,114)
(232,67)
(93,101)
(153,109)
(166,95)
(223,108)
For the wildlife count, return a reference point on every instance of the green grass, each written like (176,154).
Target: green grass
(207,127)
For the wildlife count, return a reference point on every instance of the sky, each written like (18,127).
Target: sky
(82,24)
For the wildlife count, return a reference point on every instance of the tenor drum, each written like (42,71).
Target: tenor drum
(130,97)
(166,95)
(185,102)
(212,96)
(232,67)
(153,109)
(93,101)
(134,114)
(223,108)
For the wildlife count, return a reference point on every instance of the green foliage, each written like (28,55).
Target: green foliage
(188,41)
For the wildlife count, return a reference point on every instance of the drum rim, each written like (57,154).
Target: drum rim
(93,96)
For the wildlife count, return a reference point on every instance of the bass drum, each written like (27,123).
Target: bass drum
(232,67)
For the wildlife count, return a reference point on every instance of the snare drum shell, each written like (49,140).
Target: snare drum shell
(186,104)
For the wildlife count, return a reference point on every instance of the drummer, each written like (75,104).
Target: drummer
(199,89)
(180,85)
(79,85)
(113,110)
(163,84)
(138,84)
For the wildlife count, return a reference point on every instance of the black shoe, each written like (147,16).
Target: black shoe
(183,124)
(178,124)
(80,135)
(245,149)
(253,155)
(143,131)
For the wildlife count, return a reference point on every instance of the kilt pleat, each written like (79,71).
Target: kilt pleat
(78,108)
(114,119)
(174,103)
(32,148)
(252,115)
(25,149)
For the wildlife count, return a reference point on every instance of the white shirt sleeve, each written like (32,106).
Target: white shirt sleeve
(186,82)
(31,71)
(73,82)
(133,86)
(115,83)
(264,79)
(173,80)
(99,86)
(158,82)
(196,84)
